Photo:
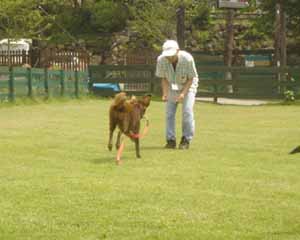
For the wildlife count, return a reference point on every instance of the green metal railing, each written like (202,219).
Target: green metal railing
(18,82)
(214,81)
(262,82)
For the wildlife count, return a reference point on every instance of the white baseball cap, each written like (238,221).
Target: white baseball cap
(170,48)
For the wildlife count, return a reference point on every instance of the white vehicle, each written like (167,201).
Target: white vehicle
(15,45)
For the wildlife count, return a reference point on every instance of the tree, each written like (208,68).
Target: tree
(89,23)
(265,23)
(154,21)
(20,19)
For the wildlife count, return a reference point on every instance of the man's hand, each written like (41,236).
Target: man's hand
(164,98)
(180,97)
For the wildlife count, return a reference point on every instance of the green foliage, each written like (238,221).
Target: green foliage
(108,16)
(147,22)
(92,22)
(289,96)
(152,22)
(252,37)
(201,36)
(291,7)
(20,19)
(199,15)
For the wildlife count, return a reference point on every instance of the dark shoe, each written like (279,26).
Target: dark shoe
(184,143)
(171,144)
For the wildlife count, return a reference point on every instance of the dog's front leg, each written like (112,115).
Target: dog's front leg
(118,142)
(137,147)
(109,145)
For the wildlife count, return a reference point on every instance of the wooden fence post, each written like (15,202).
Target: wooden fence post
(29,82)
(215,93)
(90,79)
(152,81)
(76,84)
(11,85)
(46,86)
(62,82)
(235,77)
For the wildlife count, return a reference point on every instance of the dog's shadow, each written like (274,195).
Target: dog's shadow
(111,159)
(103,160)
(152,148)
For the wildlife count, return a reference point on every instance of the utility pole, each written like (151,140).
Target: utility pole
(229,44)
(280,45)
(283,42)
(277,37)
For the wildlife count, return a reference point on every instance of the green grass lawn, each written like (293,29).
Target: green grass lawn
(237,181)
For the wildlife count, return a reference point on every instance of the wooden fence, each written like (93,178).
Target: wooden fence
(66,59)
(245,82)
(70,60)
(14,58)
(142,57)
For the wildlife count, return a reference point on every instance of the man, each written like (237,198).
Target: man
(179,77)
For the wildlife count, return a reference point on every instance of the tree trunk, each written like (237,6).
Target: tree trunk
(35,54)
(8,52)
(181,26)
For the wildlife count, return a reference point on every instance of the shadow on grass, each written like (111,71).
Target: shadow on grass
(291,233)
(111,159)
(152,148)
(103,160)
(276,235)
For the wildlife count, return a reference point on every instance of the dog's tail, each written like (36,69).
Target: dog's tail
(120,102)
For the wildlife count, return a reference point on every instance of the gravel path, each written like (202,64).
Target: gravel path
(230,101)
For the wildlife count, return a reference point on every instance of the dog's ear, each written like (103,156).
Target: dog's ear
(133,100)
(146,100)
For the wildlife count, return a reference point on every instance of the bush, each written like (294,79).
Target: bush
(289,96)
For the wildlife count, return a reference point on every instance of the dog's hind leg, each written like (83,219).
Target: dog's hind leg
(137,147)
(110,140)
(118,142)
(111,132)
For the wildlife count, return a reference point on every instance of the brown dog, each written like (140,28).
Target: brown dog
(127,114)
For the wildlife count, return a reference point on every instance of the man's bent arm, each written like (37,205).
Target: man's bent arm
(187,86)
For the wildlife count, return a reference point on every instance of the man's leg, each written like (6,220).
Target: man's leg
(188,122)
(171,108)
